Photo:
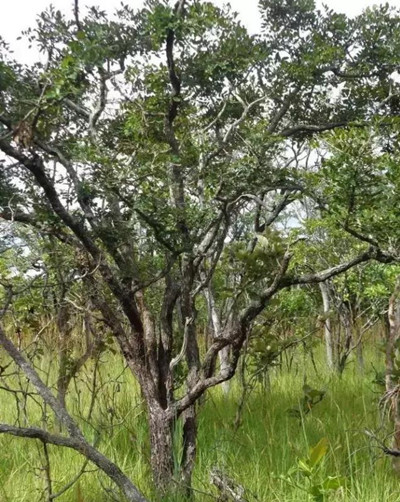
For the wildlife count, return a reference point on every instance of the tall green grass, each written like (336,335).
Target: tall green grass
(268,443)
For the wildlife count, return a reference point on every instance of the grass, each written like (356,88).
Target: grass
(266,446)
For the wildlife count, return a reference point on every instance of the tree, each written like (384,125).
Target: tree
(353,302)
(146,144)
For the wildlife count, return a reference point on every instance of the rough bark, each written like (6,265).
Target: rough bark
(189,447)
(189,416)
(161,448)
(229,489)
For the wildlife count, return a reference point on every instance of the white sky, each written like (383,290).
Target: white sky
(17,15)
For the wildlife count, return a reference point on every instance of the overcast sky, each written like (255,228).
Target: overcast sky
(17,15)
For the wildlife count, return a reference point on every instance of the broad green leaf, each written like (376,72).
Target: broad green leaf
(318,452)
(333,483)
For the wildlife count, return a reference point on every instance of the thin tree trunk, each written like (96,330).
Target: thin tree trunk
(69,367)
(360,349)
(392,385)
(224,353)
(327,325)
(189,416)
(64,333)
(345,319)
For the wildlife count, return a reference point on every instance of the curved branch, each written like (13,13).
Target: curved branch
(76,439)
(131,492)
(369,254)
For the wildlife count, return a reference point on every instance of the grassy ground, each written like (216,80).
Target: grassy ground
(262,450)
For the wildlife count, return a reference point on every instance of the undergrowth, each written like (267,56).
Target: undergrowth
(258,454)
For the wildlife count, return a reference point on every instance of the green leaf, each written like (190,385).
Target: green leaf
(318,452)
(333,483)
(304,467)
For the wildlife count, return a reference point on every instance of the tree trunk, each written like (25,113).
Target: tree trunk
(345,319)
(64,333)
(359,349)
(214,316)
(189,448)
(224,365)
(392,385)
(192,354)
(327,325)
(161,448)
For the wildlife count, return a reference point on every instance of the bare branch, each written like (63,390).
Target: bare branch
(76,15)
(388,451)
(235,338)
(371,253)
(286,200)
(35,165)
(41,388)
(257,306)
(312,128)
(176,360)
(236,124)
(80,110)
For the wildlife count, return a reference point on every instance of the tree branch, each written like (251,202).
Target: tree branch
(130,491)
(76,440)
(312,128)
(76,15)
(371,253)
(100,106)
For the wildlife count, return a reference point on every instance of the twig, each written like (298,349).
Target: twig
(72,482)
(47,471)
(387,451)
